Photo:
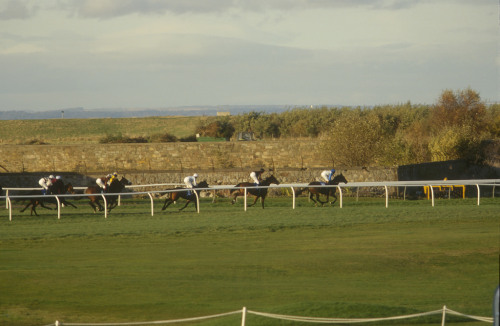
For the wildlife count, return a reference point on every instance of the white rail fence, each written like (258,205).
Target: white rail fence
(385,185)
(317,320)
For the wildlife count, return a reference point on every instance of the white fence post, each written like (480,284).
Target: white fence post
(152,202)
(340,192)
(444,316)
(432,194)
(478,195)
(10,208)
(245,201)
(243,316)
(197,201)
(58,208)
(386,196)
(105,206)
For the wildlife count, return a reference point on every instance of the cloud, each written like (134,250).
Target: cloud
(116,8)
(15,9)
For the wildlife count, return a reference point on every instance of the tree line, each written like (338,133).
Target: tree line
(458,126)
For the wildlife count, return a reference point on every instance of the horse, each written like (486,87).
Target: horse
(327,191)
(58,188)
(189,195)
(254,190)
(115,187)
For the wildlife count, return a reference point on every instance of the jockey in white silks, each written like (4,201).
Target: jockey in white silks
(45,183)
(327,175)
(257,176)
(190,182)
(103,182)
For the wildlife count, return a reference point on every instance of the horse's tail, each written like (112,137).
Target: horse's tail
(300,191)
(235,189)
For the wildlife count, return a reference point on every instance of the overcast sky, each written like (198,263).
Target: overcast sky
(58,54)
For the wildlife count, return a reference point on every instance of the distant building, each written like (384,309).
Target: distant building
(223,114)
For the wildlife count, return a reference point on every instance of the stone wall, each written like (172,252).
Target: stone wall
(183,157)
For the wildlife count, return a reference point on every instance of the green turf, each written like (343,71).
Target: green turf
(363,260)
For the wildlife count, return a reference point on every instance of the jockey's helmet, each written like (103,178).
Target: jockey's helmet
(195,175)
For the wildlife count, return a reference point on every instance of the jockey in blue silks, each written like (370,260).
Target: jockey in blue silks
(327,175)
(190,182)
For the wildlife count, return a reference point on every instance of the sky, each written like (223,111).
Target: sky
(57,54)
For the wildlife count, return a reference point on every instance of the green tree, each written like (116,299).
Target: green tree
(355,139)
(458,126)
(220,128)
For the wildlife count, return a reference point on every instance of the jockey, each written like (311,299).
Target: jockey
(45,183)
(190,182)
(112,178)
(103,183)
(257,176)
(327,175)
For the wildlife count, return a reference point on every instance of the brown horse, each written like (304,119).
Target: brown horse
(58,188)
(95,192)
(327,191)
(254,190)
(188,195)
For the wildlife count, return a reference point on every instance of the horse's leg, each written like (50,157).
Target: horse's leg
(68,203)
(333,202)
(318,198)
(25,207)
(254,201)
(41,204)
(187,203)
(311,197)
(99,205)
(167,203)
(234,197)
(262,201)
(112,204)
(94,207)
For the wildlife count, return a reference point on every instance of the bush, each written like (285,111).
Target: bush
(163,138)
(118,139)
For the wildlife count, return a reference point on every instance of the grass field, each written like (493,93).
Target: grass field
(83,131)
(363,260)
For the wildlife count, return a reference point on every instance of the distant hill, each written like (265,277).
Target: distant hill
(81,113)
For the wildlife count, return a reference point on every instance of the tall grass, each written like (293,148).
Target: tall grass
(363,260)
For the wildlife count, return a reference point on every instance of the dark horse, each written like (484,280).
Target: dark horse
(188,195)
(115,187)
(58,188)
(254,190)
(327,191)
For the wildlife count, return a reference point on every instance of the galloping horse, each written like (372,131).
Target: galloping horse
(254,190)
(115,187)
(58,188)
(327,191)
(188,195)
